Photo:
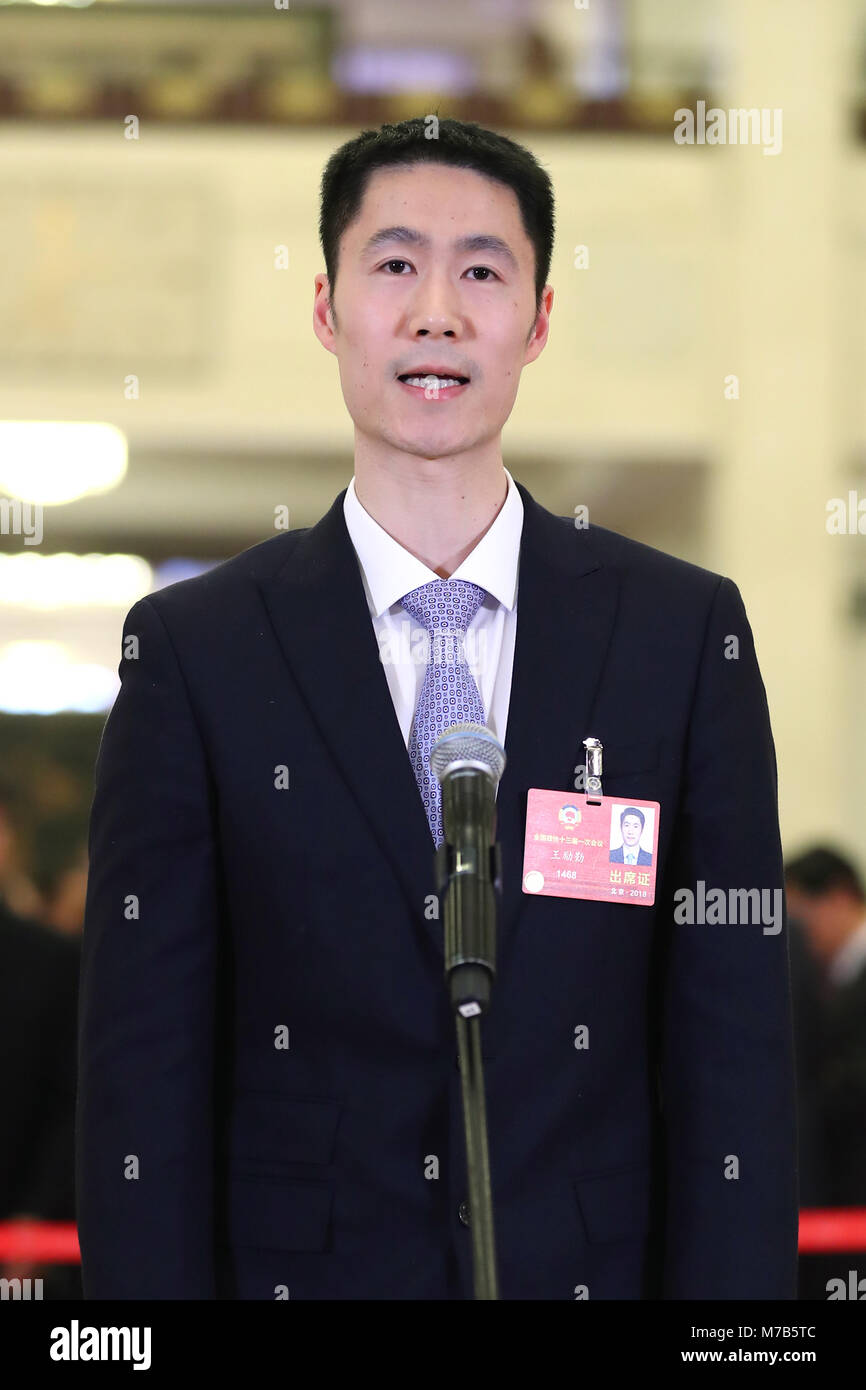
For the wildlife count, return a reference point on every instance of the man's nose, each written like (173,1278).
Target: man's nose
(435,309)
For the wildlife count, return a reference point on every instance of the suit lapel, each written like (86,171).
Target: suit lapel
(566,605)
(319,612)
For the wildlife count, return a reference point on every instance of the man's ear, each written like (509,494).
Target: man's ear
(540,327)
(324,317)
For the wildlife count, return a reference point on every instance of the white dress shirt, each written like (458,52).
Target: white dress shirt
(389,571)
(850,959)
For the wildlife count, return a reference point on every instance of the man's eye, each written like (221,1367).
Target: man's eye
(485,269)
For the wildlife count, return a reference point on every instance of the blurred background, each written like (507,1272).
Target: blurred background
(162,397)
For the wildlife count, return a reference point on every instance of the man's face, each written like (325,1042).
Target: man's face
(823,917)
(631,828)
(414,301)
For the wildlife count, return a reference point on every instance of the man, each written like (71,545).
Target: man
(270,1105)
(826,895)
(631,824)
(38,1005)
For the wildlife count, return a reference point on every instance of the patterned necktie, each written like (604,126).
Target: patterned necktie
(449,695)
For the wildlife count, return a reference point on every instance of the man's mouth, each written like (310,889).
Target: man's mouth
(434,382)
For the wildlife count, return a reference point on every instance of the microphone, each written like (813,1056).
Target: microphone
(468,761)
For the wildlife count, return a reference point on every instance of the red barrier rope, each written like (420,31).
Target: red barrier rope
(828,1230)
(823,1230)
(40,1242)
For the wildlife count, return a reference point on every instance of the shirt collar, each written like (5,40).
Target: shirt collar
(850,958)
(389,570)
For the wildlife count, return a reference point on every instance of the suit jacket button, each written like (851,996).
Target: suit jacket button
(463,1213)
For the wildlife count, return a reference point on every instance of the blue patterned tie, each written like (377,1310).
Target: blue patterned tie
(449,695)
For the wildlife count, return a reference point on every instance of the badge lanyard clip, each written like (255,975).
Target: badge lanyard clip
(593,748)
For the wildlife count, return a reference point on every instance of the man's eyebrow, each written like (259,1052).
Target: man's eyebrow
(409,236)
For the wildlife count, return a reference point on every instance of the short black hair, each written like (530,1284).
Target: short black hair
(459,143)
(633,811)
(821,870)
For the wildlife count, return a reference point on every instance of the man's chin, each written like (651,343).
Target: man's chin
(431,445)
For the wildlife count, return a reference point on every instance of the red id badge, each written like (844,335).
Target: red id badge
(575,849)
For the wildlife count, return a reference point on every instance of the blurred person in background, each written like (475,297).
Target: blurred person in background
(38,1016)
(806,1009)
(827,908)
(825,893)
(17,889)
(60,871)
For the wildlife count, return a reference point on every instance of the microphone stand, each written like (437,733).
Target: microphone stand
(469,876)
(484,1271)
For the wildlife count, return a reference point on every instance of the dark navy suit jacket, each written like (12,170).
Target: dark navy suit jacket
(616,856)
(269,1101)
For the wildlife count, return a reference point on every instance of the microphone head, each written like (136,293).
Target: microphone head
(468,745)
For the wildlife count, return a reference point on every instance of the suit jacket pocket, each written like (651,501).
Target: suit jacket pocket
(615,1205)
(628,759)
(269,1213)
